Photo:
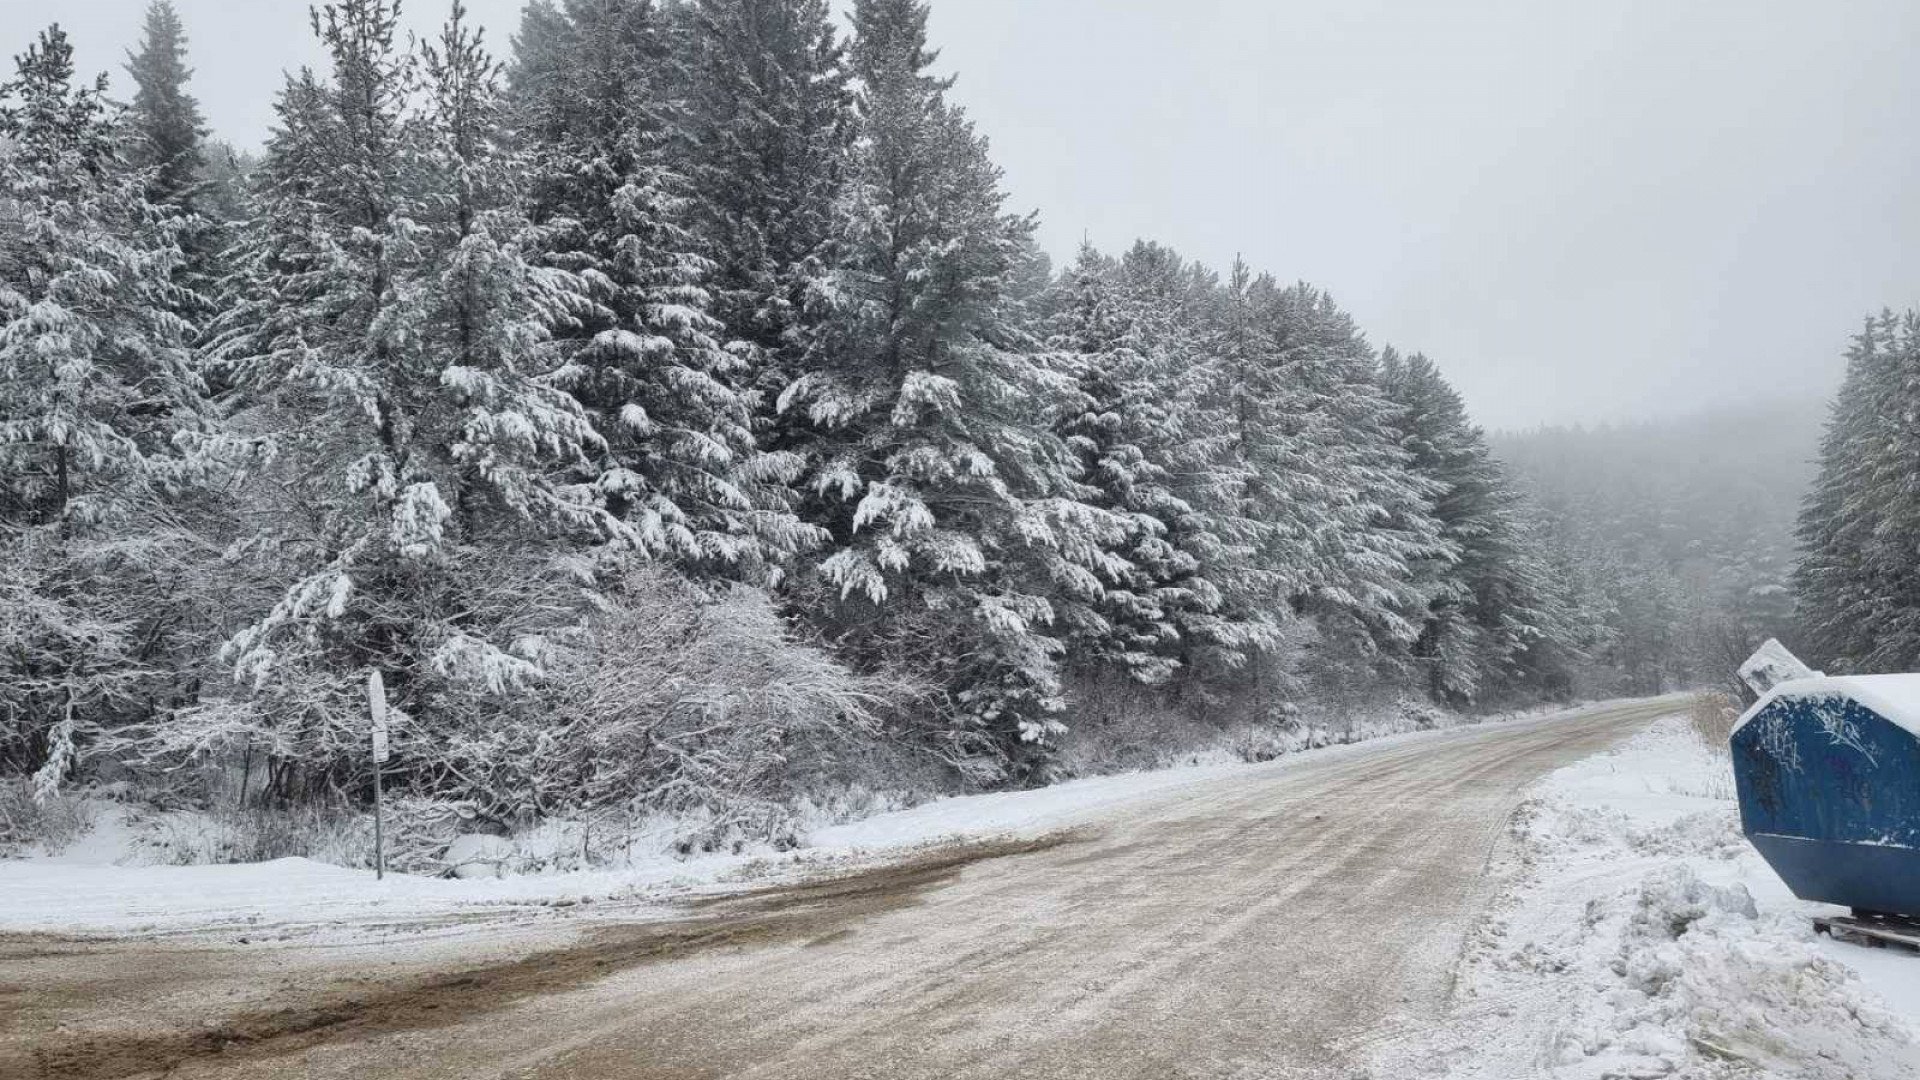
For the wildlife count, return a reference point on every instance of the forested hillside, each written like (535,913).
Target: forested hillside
(674,412)
(1679,535)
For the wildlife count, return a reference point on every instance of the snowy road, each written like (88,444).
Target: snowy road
(1273,926)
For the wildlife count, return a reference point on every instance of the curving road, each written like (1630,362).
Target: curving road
(1268,928)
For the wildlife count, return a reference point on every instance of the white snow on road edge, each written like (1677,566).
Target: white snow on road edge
(1644,938)
(86,891)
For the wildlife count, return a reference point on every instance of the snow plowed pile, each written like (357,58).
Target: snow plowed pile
(1644,939)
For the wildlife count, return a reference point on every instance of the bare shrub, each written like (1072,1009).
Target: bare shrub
(1255,743)
(1259,714)
(1713,714)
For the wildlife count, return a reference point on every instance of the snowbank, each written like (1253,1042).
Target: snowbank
(91,889)
(72,895)
(1645,938)
(87,889)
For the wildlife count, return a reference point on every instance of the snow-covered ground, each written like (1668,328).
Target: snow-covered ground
(94,887)
(1645,938)
(91,888)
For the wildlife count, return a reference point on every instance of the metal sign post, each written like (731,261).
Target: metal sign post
(377,702)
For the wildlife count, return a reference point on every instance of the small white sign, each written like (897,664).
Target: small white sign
(377,700)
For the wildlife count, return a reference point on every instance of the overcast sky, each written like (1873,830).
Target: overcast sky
(1583,209)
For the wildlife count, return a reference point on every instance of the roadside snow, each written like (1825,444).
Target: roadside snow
(1645,938)
(70,894)
(84,891)
(89,889)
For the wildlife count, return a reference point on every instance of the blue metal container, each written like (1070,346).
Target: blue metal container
(1828,772)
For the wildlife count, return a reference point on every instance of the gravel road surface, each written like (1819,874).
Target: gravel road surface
(1275,926)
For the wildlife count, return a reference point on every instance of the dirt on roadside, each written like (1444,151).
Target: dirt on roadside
(51,1032)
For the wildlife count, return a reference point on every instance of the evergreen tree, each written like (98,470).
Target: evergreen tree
(682,463)
(1237,609)
(1647,641)
(1120,424)
(1150,454)
(96,392)
(395,344)
(1696,498)
(1856,586)
(565,395)
(1369,516)
(166,137)
(164,118)
(223,193)
(1490,601)
(1335,516)
(958,534)
(767,137)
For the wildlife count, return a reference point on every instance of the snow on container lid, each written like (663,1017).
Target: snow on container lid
(1895,697)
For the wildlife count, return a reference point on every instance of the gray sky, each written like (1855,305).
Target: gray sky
(1583,209)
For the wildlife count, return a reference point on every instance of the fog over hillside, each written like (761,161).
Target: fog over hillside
(1688,525)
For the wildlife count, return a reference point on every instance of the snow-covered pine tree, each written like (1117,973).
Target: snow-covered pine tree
(1147,456)
(682,463)
(395,344)
(96,382)
(164,119)
(166,136)
(1856,587)
(1274,486)
(1587,612)
(487,311)
(1335,517)
(1372,515)
(1647,640)
(1836,595)
(1237,609)
(958,536)
(1451,454)
(1490,599)
(1121,425)
(768,127)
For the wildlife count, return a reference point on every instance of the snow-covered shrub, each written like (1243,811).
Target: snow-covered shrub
(263,835)
(420,829)
(296,731)
(1710,738)
(1119,725)
(1253,743)
(685,705)
(665,701)
(669,701)
(84,630)
(30,823)
(418,833)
